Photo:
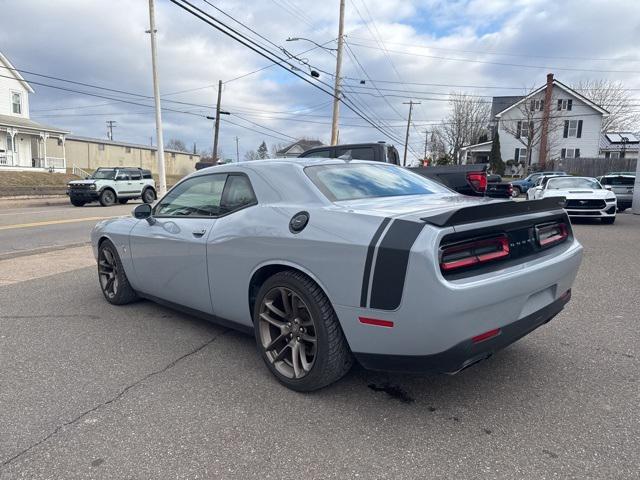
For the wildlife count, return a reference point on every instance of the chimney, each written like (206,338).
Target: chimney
(544,134)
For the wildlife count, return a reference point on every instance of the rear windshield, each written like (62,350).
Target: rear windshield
(572,182)
(626,181)
(355,181)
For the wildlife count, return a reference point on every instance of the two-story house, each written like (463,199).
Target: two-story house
(23,142)
(552,122)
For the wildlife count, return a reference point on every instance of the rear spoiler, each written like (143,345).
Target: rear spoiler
(492,210)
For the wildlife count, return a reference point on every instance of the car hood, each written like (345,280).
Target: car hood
(578,193)
(81,182)
(412,206)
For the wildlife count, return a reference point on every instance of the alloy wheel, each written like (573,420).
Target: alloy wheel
(287,332)
(108,272)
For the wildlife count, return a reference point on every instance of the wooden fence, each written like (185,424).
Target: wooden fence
(592,167)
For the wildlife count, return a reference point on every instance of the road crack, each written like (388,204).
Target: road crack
(115,398)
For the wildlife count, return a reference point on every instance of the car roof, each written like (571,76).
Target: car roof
(270,163)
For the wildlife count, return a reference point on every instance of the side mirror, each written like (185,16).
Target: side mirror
(144,212)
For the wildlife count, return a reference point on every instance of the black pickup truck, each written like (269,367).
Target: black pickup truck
(465,179)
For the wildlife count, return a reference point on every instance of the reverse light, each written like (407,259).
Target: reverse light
(473,253)
(551,234)
(478,180)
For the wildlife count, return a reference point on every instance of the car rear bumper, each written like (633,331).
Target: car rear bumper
(467,352)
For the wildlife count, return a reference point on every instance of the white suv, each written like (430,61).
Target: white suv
(111,185)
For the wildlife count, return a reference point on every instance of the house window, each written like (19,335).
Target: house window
(9,143)
(520,155)
(537,105)
(614,155)
(101,146)
(173,155)
(573,128)
(16,103)
(524,129)
(565,104)
(127,149)
(570,153)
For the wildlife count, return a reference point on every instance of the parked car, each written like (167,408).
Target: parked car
(496,188)
(324,261)
(585,197)
(465,179)
(111,185)
(622,185)
(522,186)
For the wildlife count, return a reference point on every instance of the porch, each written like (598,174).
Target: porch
(27,145)
(478,153)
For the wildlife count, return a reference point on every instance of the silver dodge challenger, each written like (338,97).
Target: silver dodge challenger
(327,261)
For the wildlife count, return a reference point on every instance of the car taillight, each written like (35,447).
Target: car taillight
(472,253)
(551,234)
(478,180)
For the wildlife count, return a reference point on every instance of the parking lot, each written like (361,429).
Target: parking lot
(90,390)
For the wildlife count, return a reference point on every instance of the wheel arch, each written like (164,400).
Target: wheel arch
(108,187)
(266,270)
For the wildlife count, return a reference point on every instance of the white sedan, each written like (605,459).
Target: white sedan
(585,197)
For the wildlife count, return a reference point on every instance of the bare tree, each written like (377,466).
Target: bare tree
(466,123)
(528,126)
(176,144)
(614,97)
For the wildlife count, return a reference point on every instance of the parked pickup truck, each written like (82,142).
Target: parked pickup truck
(465,179)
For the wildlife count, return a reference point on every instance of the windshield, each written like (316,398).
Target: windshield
(355,181)
(572,182)
(104,174)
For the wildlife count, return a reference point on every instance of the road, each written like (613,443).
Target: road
(24,229)
(90,390)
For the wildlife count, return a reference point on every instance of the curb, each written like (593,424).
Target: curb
(17,202)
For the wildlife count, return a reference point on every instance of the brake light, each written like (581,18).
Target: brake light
(478,180)
(551,234)
(473,253)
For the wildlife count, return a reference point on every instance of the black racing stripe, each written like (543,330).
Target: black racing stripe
(391,264)
(367,264)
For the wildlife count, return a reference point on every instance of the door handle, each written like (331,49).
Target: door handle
(199,233)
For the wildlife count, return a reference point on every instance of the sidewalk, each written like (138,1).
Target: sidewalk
(33,201)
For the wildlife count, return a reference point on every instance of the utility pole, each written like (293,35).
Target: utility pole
(411,103)
(162,187)
(110,125)
(336,88)
(216,127)
(237,151)
(426,143)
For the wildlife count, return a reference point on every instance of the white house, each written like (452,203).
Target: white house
(296,148)
(552,122)
(23,142)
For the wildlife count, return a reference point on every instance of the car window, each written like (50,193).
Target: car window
(326,153)
(198,197)
(349,181)
(237,194)
(534,178)
(618,181)
(365,153)
(122,175)
(104,174)
(573,182)
(135,174)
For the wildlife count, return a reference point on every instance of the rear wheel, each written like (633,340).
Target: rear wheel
(107,197)
(77,203)
(298,333)
(515,192)
(122,201)
(113,281)
(148,196)
(608,220)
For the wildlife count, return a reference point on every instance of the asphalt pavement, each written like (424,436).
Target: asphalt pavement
(37,228)
(90,390)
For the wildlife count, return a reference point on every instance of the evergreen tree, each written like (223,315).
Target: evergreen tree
(495,159)
(263,151)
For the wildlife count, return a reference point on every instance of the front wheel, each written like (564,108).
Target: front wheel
(608,220)
(107,198)
(298,333)
(515,192)
(113,281)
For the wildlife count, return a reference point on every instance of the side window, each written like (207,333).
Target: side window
(326,153)
(238,193)
(122,175)
(198,196)
(135,174)
(357,153)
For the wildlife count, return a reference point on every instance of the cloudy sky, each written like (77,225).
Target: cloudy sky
(402,48)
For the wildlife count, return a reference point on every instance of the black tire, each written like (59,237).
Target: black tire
(620,210)
(122,201)
(148,196)
(516,192)
(608,220)
(77,203)
(332,359)
(107,198)
(110,266)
